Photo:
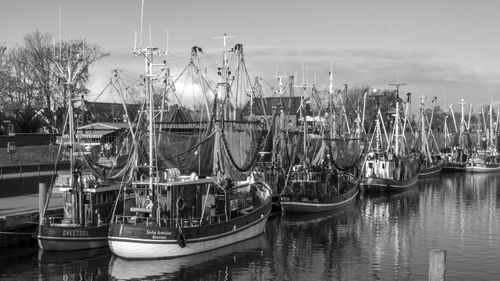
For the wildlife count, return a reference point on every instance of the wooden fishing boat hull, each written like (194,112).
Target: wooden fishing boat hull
(481,168)
(387,185)
(139,241)
(454,167)
(428,172)
(69,238)
(297,205)
(248,250)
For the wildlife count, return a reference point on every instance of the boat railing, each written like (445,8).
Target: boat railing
(30,170)
(171,222)
(306,176)
(60,221)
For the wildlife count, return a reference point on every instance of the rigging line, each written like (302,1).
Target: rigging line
(107,85)
(193,92)
(53,176)
(142,17)
(207,84)
(212,61)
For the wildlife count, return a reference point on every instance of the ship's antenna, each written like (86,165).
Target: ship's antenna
(397,85)
(167,41)
(149,53)
(307,74)
(135,40)
(224,72)
(150,36)
(60,24)
(330,86)
(224,38)
(281,88)
(140,31)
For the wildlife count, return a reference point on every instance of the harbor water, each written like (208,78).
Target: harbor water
(379,237)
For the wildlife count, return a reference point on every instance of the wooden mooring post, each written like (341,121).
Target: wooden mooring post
(437,265)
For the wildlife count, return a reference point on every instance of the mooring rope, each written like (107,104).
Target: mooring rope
(17,233)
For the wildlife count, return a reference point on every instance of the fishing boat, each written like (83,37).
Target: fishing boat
(190,267)
(485,157)
(167,214)
(389,167)
(87,200)
(429,163)
(317,184)
(318,191)
(459,151)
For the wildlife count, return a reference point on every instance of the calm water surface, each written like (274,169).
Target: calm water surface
(377,238)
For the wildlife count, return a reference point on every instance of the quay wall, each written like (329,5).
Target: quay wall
(24,179)
(22,186)
(28,139)
(21,228)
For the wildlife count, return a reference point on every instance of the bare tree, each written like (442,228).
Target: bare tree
(34,76)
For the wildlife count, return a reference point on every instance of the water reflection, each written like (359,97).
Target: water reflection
(221,264)
(318,246)
(385,237)
(82,265)
(30,263)
(389,220)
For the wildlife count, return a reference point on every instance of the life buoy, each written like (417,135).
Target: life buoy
(181,204)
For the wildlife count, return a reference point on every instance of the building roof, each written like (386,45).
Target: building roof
(177,113)
(99,126)
(267,105)
(110,112)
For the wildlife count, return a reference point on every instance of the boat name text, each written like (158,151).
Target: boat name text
(76,233)
(158,234)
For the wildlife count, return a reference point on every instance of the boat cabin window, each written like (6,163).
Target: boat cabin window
(99,198)
(86,199)
(68,198)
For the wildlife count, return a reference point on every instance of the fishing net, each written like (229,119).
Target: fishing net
(240,144)
(345,153)
(187,152)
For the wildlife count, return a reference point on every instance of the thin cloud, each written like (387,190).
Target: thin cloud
(420,66)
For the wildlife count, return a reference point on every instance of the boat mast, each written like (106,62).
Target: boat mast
(224,85)
(331,91)
(424,136)
(490,137)
(452,112)
(462,124)
(396,122)
(149,53)
(68,75)
(71,126)
(422,123)
(445,129)
(344,110)
(303,112)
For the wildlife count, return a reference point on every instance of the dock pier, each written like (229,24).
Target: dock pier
(19,218)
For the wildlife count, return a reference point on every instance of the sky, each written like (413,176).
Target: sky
(443,48)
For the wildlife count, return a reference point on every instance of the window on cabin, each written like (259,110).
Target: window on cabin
(86,199)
